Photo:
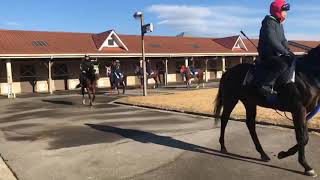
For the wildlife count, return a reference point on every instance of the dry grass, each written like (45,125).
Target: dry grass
(202,101)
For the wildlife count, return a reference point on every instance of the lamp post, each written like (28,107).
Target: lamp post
(144,29)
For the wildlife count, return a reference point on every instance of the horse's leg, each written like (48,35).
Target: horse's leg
(302,137)
(251,112)
(93,92)
(117,86)
(83,98)
(201,80)
(227,109)
(156,81)
(290,152)
(124,87)
(89,94)
(110,90)
(198,78)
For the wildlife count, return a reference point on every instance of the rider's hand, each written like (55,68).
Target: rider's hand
(290,55)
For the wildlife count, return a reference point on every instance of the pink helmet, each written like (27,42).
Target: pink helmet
(277,7)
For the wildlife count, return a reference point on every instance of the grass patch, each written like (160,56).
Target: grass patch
(202,101)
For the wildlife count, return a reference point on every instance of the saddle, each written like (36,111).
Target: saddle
(257,71)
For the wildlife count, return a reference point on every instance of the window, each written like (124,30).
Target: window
(110,42)
(27,72)
(60,71)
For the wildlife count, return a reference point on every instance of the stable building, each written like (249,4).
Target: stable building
(34,61)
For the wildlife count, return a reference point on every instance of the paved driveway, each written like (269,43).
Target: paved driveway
(57,138)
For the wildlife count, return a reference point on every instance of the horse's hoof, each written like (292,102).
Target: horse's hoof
(282,155)
(83,102)
(224,150)
(265,158)
(311,173)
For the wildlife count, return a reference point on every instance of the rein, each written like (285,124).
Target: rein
(284,116)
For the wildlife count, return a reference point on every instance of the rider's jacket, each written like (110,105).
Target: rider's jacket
(272,41)
(87,67)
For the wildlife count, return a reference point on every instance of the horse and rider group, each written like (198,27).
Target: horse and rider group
(277,80)
(90,74)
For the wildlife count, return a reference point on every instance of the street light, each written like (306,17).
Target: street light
(145,28)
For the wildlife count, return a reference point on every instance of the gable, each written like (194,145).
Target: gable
(112,41)
(239,45)
(108,39)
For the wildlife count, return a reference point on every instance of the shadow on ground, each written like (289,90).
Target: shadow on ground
(147,137)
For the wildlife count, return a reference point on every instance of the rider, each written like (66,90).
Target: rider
(115,69)
(86,69)
(192,67)
(275,55)
(149,68)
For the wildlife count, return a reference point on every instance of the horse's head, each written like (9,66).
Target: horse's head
(313,56)
(108,71)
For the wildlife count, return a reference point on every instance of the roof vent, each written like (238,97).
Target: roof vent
(195,46)
(39,43)
(155,45)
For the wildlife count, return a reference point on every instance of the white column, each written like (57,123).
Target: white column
(254,58)
(223,64)
(50,77)
(166,74)
(241,59)
(206,71)
(186,62)
(9,79)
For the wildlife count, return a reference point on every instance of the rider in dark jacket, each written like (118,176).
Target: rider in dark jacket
(115,70)
(86,70)
(273,49)
(192,67)
(149,68)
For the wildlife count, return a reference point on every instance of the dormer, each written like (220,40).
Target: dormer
(239,45)
(108,39)
(234,43)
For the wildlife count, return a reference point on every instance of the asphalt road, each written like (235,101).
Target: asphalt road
(58,138)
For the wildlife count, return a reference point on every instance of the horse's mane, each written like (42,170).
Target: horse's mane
(309,65)
(310,62)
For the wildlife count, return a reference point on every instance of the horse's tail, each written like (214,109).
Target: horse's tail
(78,86)
(218,103)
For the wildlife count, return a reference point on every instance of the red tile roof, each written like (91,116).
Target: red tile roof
(227,42)
(20,42)
(99,39)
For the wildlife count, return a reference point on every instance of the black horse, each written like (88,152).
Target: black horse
(88,83)
(298,98)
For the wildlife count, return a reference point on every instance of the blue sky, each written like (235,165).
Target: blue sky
(199,18)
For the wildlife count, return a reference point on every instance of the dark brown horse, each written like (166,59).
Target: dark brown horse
(116,83)
(298,98)
(186,73)
(154,75)
(88,83)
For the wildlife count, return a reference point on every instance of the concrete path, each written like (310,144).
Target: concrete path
(58,138)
